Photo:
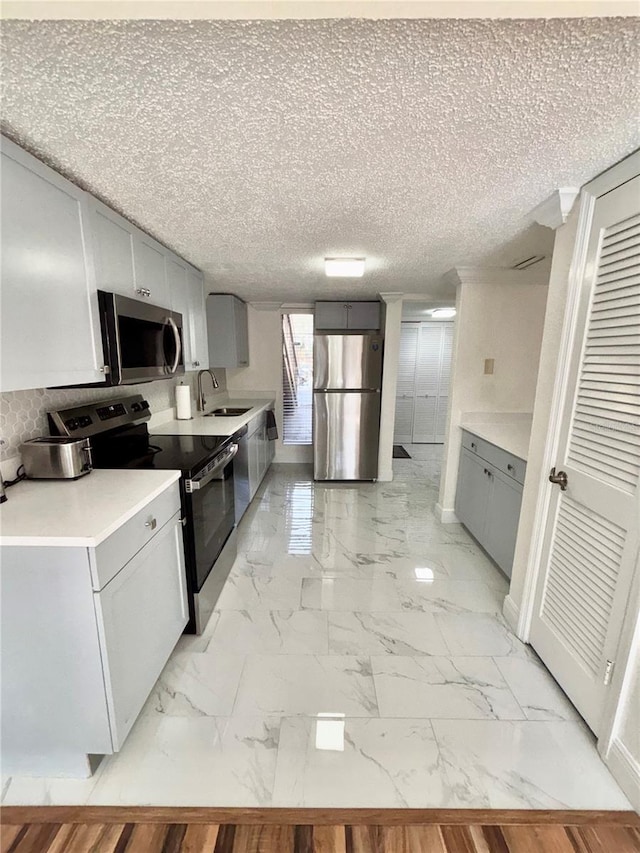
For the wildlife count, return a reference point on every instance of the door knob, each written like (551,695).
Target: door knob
(560,479)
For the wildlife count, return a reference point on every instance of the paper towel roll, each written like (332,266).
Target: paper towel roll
(183,402)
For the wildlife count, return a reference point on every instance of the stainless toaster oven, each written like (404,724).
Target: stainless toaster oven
(56,458)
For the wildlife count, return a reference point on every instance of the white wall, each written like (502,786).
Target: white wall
(500,319)
(263,377)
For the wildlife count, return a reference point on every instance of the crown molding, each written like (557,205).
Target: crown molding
(265,306)
(554,211)
(493,275)
(310,9)
(391,296)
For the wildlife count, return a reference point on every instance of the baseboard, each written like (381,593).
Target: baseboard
(625,769)
(511,613)
(446,516)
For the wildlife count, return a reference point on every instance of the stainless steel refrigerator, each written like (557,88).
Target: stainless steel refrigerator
(347,378)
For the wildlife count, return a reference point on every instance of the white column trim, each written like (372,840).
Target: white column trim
(391,296)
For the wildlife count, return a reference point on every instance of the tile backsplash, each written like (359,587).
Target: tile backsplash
(23,414)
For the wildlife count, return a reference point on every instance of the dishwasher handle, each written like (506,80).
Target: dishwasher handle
(218,465)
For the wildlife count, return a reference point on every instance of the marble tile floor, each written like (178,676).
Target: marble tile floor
(357,657)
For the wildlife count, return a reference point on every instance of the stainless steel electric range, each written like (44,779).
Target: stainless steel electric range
(119,437)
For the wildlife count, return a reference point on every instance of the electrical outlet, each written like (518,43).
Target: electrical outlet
(489,364)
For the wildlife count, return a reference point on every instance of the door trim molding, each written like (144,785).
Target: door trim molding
(608,744)
(599,186)
(625,770)
(560,391)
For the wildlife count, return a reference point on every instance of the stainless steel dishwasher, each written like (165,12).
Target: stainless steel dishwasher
(242,489)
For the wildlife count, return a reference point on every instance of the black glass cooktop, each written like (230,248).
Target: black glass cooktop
(133,447)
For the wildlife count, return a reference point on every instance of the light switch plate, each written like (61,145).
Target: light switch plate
(489,364)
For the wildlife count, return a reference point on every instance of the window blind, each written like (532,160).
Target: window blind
(297,378)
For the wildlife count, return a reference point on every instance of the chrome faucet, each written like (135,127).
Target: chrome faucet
(201,401)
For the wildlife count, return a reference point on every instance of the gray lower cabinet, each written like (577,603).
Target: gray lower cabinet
(85,634)
(489,496)
(254,457)
(503,515)
(471,502)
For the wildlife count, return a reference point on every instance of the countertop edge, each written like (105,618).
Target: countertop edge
(215,426)
(90,541)
(480,430)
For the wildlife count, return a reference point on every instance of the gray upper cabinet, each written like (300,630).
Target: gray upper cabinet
(198,317)
(50,330)
(113,238)
(151,277)
(187,297)
(363,315)
(176,272)
(227,330)
(59,246)
(347,315)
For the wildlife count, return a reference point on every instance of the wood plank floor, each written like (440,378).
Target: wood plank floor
(163,830)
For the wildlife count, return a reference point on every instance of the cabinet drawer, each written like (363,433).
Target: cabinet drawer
(506,462)
(475,445)
(112,554)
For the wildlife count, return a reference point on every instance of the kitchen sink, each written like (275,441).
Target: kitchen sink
(226,412)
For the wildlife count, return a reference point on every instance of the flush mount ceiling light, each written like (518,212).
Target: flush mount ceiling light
(442,313)
(344,267)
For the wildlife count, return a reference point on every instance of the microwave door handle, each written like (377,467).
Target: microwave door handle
(176,337)
(194,485)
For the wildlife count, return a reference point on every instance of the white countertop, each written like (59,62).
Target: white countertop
(84,512)
(200,424)
(513,437)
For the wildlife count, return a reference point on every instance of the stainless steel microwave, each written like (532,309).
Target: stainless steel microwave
(141,342)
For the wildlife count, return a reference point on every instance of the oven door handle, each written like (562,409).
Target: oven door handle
(176,336)
(194,485)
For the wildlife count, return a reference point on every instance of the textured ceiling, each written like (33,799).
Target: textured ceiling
(255,149)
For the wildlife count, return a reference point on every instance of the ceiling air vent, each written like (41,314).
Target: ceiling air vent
(528,262)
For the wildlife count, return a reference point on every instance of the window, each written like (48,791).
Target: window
(297,378)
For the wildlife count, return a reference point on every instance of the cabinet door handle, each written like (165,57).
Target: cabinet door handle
(473,445)
(196,364)
(510,468)
(151,524)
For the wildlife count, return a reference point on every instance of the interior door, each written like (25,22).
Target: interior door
(591,529)
(428,365)
(442,406)
(403,425)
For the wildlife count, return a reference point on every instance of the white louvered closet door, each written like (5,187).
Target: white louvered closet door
(591,531)
(428,366)
(443,387)
(403,428)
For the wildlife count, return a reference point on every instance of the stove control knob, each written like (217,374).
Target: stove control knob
(71,424)
(135,407)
